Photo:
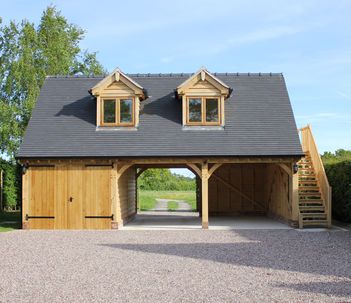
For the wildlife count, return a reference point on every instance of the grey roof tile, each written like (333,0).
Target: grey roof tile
(258,116)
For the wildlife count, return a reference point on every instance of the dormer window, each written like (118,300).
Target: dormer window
(117,101)
(203,97)
(203,111)
(117,111)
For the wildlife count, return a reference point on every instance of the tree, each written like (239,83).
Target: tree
(163,179)
(27,55)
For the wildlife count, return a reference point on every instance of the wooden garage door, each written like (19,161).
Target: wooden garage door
(41,197)
(97,197)
(69,202)
(69,197)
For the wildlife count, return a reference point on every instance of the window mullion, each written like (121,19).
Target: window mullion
(117,112)
(203,110)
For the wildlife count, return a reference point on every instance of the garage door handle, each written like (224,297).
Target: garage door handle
(70,199)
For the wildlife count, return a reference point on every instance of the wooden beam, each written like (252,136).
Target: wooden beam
(233,188)
(169,160)
(195,169)
(204,196)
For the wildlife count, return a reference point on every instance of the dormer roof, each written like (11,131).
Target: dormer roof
(118,76)
(203,75)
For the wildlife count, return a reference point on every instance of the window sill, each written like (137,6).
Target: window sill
(202,127)
(116,128)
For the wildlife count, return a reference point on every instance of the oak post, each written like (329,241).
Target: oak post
(294,191)
(204,183)
(115,205)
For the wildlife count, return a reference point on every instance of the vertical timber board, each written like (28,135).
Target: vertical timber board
(212,195)
(235,179)
(278,192)
(41,197)
(75,191)
(97,190)
(247,187)
(25,198)
(61,197)
(126,189)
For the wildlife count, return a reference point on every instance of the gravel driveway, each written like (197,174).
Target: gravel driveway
(175,266)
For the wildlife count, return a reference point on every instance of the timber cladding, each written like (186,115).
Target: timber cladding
(73,196)
(250,189)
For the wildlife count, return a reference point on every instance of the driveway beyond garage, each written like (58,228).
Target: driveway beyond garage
(175,266)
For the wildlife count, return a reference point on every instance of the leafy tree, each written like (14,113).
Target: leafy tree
(163,179)
(29,53)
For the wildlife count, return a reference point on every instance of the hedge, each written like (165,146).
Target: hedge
(338,168)
(339,175)
(11,184)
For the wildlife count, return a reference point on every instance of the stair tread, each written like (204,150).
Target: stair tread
(312,207)
(309,187)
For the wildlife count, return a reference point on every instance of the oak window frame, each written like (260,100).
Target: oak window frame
(117,122)
(203,111)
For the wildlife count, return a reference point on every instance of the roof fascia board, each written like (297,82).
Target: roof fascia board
(204,75)
(118,76)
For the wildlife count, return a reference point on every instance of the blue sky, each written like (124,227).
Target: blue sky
(309,41)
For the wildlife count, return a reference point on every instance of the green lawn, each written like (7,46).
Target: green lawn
(147,198)
(13,217)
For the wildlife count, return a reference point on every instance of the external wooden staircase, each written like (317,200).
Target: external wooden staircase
(314,190)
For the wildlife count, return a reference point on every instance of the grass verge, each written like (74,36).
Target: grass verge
(147,198)
(10,221)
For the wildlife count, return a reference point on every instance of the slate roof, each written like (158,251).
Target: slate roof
(258,121)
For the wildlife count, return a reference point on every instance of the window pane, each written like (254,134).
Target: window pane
(195,110)
(126,110)
(109,111)
(211,110)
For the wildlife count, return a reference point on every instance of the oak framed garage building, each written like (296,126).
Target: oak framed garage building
(89,138)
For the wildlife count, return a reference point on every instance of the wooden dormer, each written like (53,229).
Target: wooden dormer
(118,100)
(203,97)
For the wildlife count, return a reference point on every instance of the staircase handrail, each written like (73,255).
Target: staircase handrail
(309,146)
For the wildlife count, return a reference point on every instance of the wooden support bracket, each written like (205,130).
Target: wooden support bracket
(123,168)
(213,168)
(286,168)
(195,169)
(140,172)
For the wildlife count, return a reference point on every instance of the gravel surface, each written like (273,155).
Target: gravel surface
(175,266)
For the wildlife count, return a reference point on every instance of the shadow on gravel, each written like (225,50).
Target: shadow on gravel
(340,289)
(318,253)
